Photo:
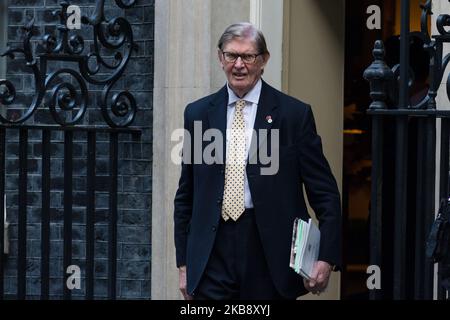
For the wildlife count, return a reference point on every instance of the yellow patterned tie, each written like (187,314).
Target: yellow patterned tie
(233,195)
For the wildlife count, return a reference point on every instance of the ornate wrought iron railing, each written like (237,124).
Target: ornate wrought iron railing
(67,102)
(390,92)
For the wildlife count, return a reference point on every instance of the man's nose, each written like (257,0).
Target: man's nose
(239,63)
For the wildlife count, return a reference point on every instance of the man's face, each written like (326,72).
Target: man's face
(242,76)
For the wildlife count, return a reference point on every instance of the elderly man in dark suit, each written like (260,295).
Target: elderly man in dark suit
(233,222)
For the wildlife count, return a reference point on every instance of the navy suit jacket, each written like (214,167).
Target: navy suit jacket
(278,199)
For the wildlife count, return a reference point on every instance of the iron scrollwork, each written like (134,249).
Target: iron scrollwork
(438,63)
(114,35)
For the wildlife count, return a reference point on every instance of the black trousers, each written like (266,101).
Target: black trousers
(237,268)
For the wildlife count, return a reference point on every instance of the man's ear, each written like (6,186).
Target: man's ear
(266,57)
(220,57)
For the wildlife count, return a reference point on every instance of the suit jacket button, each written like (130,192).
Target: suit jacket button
(219,201)
(214,228)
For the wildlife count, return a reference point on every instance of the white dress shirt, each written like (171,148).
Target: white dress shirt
(251,106)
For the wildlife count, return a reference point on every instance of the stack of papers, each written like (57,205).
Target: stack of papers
(305,247)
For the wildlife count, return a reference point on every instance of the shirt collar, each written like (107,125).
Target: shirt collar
(252,96)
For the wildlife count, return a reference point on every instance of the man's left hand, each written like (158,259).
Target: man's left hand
(319,277)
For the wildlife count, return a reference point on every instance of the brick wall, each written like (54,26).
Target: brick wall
(134,184)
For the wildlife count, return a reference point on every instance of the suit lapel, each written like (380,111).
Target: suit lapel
(265,117)
(217,116)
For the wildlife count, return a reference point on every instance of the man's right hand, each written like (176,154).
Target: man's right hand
(183,283)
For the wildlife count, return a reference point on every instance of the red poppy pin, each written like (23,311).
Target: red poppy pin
(269,119)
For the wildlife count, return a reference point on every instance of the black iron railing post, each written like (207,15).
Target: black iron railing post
(400,159)
(420,208)
(429,196)
(112,234)
(68,165)
(376,204)
(378,74)
(90,215)
(45,216)
(2,205)
(22,220)
(443,187)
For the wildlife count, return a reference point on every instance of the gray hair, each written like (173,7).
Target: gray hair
(244,30)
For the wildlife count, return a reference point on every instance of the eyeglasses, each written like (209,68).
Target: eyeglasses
(231,57)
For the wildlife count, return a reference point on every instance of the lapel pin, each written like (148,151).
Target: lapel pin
(269,119)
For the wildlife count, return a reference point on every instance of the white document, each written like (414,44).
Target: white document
(305,247)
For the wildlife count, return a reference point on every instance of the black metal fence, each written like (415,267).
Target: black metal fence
(91,134)
(412,195)
(72,100)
